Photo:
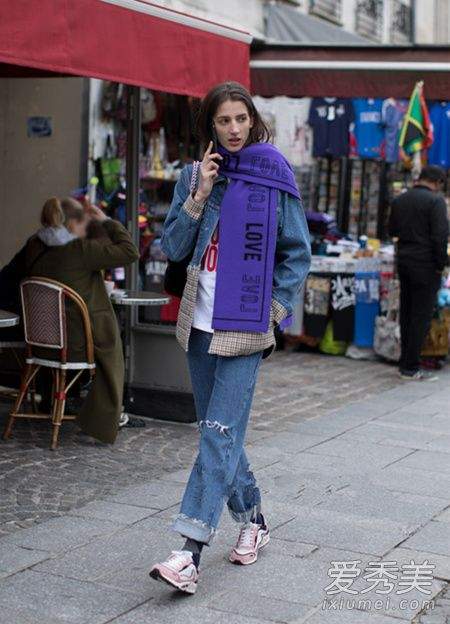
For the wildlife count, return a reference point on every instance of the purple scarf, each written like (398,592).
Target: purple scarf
(248,236)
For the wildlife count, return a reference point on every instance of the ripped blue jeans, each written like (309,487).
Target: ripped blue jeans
(223,392)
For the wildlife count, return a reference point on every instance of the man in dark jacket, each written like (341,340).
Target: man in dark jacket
(419,222)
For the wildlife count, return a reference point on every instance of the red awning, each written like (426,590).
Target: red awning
(342,71)
(129,41)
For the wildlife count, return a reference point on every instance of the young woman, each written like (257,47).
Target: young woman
(60,251)
(245,228)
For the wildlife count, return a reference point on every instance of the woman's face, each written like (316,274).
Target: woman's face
(78,228)
(233,123)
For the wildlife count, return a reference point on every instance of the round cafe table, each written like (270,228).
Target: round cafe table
(8,319)
(138,298)
(130,298)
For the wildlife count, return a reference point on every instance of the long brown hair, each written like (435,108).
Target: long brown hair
(223,92)
(57,212)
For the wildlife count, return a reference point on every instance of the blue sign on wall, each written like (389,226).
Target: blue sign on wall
(39,127)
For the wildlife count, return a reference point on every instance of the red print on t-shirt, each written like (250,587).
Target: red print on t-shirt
(209,260)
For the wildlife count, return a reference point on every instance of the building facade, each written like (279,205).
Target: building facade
(380,21)
(247,15)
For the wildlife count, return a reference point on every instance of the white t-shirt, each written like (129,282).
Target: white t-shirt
(287,118)
(203,311)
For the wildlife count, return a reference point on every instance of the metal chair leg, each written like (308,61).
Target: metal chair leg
(59,405)
(33,396)
(27,377)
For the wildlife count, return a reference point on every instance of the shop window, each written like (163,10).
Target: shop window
(369,18)
(167,143)
(328,9)
(166,148)
(401,22)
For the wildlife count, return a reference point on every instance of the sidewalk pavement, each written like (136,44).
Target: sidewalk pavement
(359,487)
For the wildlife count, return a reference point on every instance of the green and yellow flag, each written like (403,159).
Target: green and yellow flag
(416,133)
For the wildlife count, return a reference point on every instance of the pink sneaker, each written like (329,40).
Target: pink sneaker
(251,538)
(178,570)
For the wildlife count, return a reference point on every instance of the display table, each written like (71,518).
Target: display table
(347,291)
(329,264)
(138,298)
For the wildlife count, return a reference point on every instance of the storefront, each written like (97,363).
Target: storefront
(174,58)
(336,112)
(166,142)
(352,182)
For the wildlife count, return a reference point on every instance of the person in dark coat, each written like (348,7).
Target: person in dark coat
(61,251)
(419,221)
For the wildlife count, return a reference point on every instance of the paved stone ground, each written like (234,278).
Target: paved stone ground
(37,484)
(353,466)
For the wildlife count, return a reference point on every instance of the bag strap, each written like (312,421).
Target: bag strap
(195,176)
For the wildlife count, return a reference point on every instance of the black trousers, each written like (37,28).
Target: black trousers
(418,291)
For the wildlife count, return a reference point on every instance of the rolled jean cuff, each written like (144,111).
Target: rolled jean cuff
(194,528)
(245,516)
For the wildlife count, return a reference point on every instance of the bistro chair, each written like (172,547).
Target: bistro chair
(44,318)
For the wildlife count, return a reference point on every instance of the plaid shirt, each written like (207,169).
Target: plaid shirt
(226,343)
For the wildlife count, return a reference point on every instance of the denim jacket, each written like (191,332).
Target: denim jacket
(189,227)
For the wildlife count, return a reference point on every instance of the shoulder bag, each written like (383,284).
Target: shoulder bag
(176,272)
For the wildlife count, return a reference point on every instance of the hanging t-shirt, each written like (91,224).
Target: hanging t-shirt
(386,278)
(367,307)
(287,118)
(392,116)
(330,119)
(368,128)
(203,311)
(439,152)
(343,306)
(317,303)
(436,120)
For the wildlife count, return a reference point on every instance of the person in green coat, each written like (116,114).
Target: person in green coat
(61,251)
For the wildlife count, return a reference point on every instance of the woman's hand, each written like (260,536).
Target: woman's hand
(208,172)
(96,213)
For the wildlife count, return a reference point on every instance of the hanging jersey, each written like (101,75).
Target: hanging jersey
(392,116)
(368,128)
(330,119)
(439,152)
(343,306)
(287,118)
